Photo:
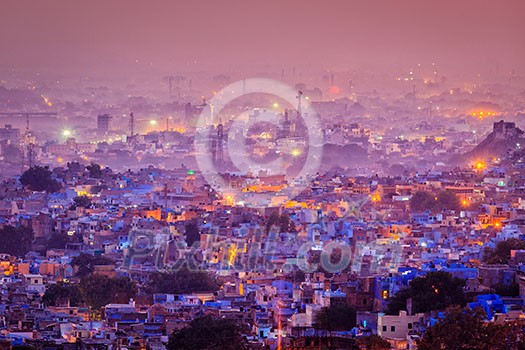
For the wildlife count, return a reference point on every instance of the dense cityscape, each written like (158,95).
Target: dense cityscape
(216,195)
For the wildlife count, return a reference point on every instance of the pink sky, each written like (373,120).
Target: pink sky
(65,35)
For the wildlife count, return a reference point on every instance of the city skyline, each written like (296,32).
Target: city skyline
(262,175)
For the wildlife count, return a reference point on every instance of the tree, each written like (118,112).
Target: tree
(273,221)
(280,222)
(434,291)
(397,170)
(61,290)
(447,200)
(207,333)
(192,233)
(81,201)
(98,291)
(286,225)
(512,290)
(85,263)
(501,254)
(422,201)
(57,241)
(466,329)
(374,342)
(16,240)
(181,281)
(94,171)
(75,167)
(296,275)
(39,178)
(336,318)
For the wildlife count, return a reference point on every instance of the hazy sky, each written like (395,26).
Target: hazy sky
(171,35)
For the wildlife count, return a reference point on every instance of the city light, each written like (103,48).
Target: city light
(253,191)
(483,114)
(46,101)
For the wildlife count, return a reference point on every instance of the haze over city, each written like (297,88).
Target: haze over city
(262,174)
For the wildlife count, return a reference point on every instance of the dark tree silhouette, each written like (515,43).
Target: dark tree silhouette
(81,201)
(282,223)
(207,333)
(39,178)
(501,254)
(466,329)
(374,342)
(434,291)
(15,240)
(192,233)
(336,318)
(181,281)
(94,171)
(57,241)
(447,200)
(85,263)
(98,291)
(422,201)
(62,290)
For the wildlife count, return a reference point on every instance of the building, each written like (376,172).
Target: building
(103,123)
(397,327)
(9,134)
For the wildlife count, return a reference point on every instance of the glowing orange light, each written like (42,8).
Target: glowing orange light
(334,90)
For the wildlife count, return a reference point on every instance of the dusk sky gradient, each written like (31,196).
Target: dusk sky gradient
(99,36)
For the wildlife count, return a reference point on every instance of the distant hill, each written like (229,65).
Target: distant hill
(343,156)
(503,138)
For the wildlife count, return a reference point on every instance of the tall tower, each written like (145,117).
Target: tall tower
(103,123)
(286,126)
(131,124)
(219,155)
(299,106)
(299,115)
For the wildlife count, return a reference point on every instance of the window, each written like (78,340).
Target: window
(384,328)
(410,326)
(393,329)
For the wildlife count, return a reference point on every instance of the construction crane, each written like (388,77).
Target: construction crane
(27,115)
(28,140)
